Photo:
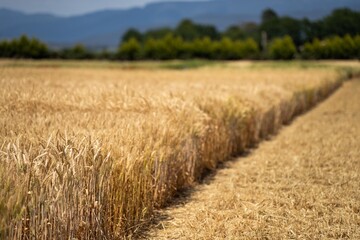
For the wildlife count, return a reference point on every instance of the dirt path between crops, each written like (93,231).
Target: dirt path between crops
(302,184)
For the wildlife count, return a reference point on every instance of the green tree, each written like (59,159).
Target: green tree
(268,15)
(76,52)
(252,30)
(132,33)
(294,28)
(357,47)
(159,33)
(207,31)
(4,49)
(309,30)
(270,23)
(235,33)
(130,50)
(170,47)
(332,48)
(312,50)
(248,49)
(151,49)
(276,27)
(38,49)
(224,49)
(282,48)
(187,30)
(202,48)
(341,22)
(190,31)
(24,47)
(105,54)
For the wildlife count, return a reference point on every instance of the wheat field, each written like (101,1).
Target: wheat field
(304,183)
(89,152)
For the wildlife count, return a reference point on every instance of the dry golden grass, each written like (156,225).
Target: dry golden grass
(89,153)
(303,184)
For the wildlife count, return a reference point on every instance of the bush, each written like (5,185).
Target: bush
(225,49)
(282,49)
(357,46)
(130,50)
(174,47)
(312,50)
(24,48)
(333,48)
(169,47)
(202,48)
(247,49)
(228,49)
(77,52)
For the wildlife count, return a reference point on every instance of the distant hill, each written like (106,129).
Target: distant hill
(104,28)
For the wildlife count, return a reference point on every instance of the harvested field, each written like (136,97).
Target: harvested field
(93,151)
(302,184)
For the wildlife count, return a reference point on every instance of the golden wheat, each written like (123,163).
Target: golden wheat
(89,153)
(303,184)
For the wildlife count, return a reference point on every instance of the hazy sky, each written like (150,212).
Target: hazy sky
(71,7)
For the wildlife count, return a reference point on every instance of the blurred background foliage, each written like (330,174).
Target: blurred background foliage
(336,36)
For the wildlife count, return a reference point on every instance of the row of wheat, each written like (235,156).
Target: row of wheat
(89,154)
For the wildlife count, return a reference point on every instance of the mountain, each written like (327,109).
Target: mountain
(104,28)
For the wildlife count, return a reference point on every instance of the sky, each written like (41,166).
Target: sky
(71,7)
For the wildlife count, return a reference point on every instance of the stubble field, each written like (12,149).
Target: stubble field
(89,152)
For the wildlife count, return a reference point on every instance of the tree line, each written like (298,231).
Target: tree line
(32,48)
(174,47)
(339,23)
(336,36)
